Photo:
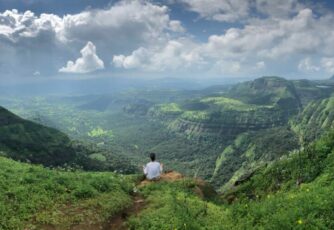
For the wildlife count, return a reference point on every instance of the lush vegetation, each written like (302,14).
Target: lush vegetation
(249,151)
(317,116)
(34,197)
(221,133)
(27,141)
(253,142)
(293,193)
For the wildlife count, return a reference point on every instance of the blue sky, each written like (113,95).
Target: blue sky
(166,38)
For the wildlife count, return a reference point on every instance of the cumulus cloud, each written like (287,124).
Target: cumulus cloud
(141,35)
(306,65)
(278,8)
(234,10)
(272,39)
(220,10)
(328,64)
(88,62)
(15,26)
(123,26)
(280,41)
(176,26)
(175,54)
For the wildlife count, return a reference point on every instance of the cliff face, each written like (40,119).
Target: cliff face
(260,104)
(317,117)
(230,123)
(249,151)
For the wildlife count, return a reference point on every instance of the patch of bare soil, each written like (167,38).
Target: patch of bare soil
(168,176)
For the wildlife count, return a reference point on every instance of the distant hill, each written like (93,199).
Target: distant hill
(24,140)
(266,91)
(245,125)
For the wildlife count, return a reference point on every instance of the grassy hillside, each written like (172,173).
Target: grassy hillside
(33,197)
(25,140)
(270,199)
(295,192)
(317,117)
(249,151)
(28,141)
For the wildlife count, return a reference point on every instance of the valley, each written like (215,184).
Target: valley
(220,134)
(257,147)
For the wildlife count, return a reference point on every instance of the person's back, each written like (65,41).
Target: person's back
(153,169)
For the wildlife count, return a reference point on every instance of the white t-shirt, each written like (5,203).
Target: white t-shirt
(152,170)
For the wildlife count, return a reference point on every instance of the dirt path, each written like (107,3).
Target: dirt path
(118,222)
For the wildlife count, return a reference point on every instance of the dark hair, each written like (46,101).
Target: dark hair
(152,156)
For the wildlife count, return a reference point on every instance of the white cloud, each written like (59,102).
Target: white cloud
(88,62)
(37,73)
(260,65)
(236,10)
(220,10)
(176,26)
(141,35)
(127,24)
(274,39)
(306,65)
(174,55)
(121,27)
(328,64)
(278,8)
(16,26)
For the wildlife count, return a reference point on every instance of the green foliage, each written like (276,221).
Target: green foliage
(250,151)
(257,204)
(99,132)
(317,117)
(175,205)
(231,104)
(300,167)
(266,91)
(31,196)
(27,141)
(98,156)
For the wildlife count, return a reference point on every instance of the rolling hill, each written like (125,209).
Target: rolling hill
(27,141)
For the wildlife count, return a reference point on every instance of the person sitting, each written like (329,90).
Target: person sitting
(153,169)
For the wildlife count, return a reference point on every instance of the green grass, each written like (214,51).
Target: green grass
(269,200)
(31,196)
(195,116)
(232,104)
(168,109)
(175,205)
